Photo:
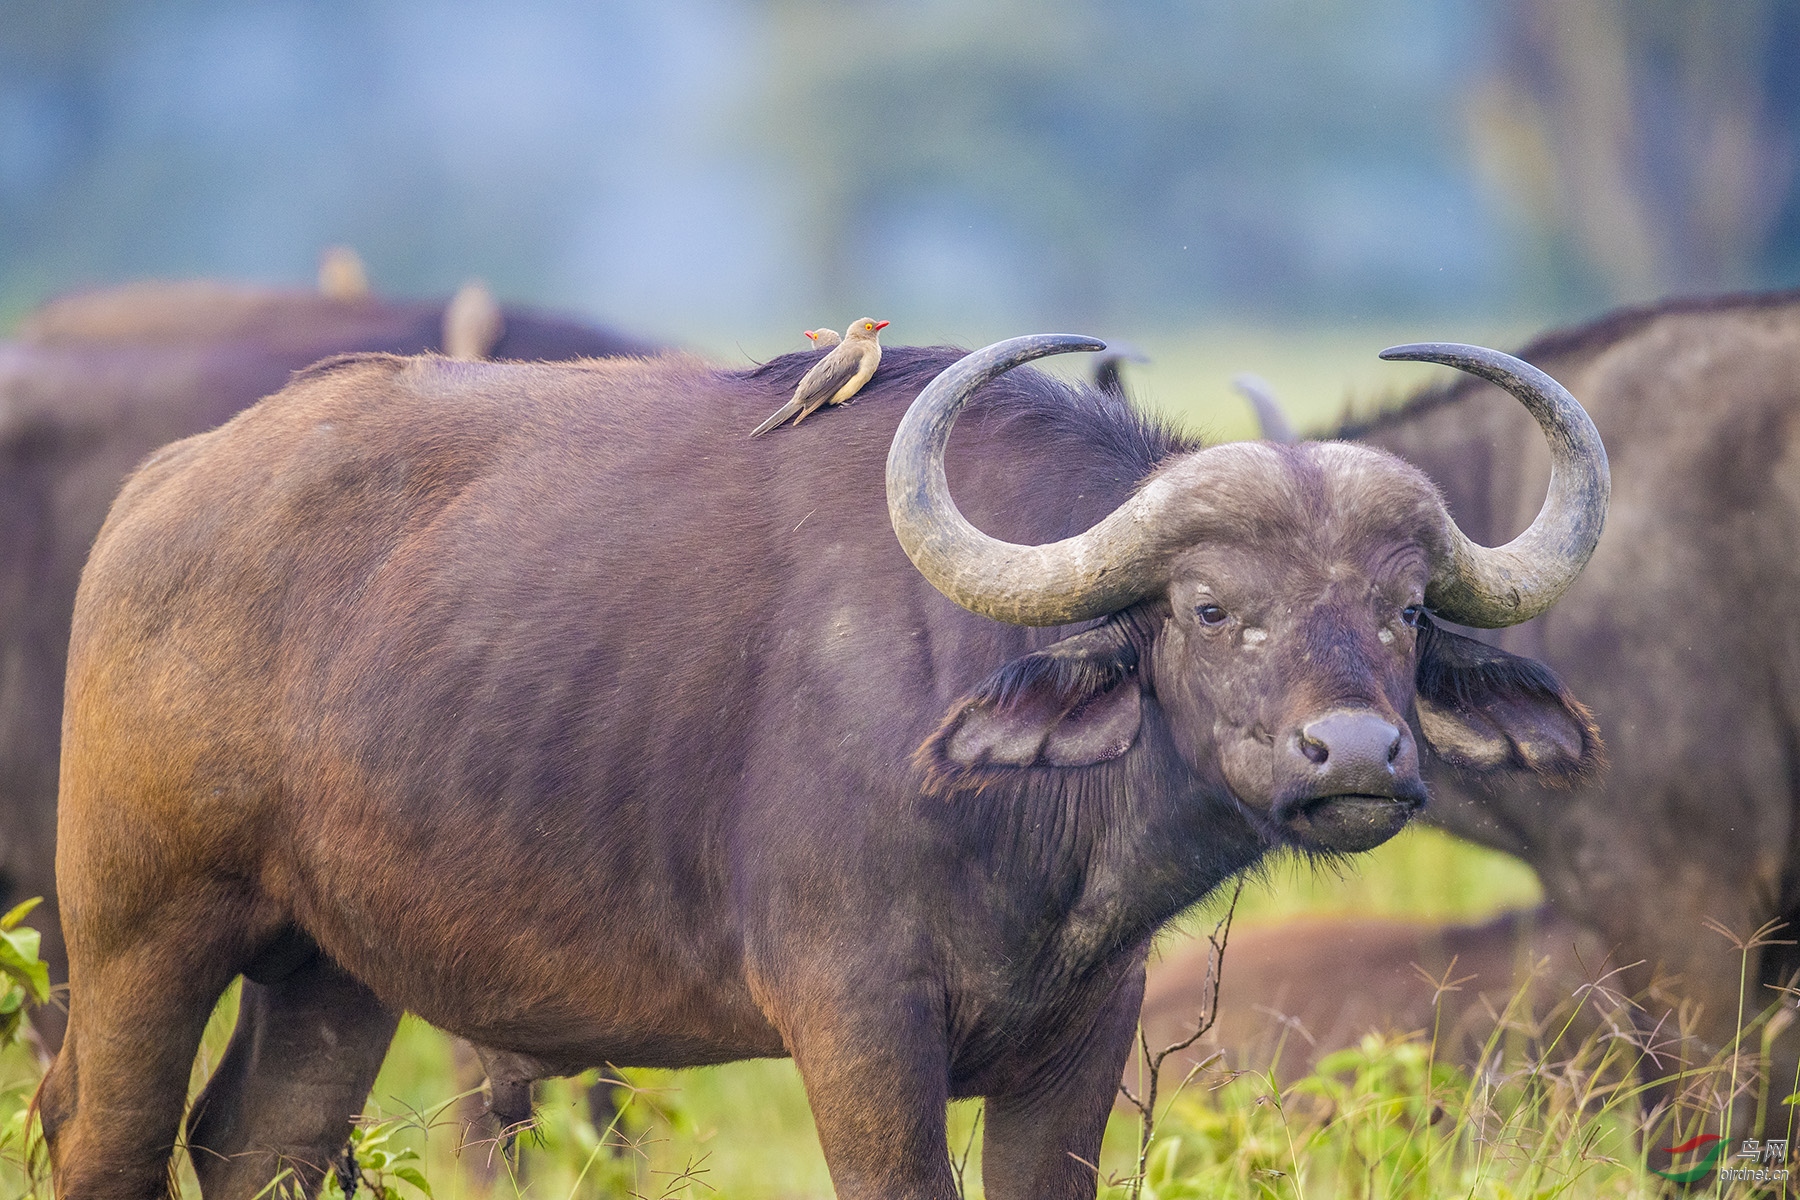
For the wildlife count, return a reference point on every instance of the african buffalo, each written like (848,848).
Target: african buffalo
(93,384)
(543,702)
(1681,633)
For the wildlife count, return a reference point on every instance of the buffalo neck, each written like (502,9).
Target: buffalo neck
(1072,867)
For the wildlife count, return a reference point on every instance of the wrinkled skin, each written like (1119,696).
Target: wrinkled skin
(1345,633)
(95,382)
(1680,633)
(575,721)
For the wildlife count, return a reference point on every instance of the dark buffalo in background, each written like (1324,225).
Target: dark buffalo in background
(92,384)
(292,323)
(1682,634)
(542,702)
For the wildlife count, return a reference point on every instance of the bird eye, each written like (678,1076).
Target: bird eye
(1412,614)
(1211,614)
(868,325)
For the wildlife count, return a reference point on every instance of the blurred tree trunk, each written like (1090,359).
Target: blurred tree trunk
(1639,135)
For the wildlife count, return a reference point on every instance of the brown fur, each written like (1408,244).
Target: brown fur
(97,381)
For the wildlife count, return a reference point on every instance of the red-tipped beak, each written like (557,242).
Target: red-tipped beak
(880,325)
(809,333)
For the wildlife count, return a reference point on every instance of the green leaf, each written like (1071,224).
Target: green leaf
(411,1175)
(19,912)
(19,961)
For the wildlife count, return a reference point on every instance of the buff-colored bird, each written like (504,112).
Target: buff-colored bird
(834,378)
(473,322)
(822,339)
(341,274)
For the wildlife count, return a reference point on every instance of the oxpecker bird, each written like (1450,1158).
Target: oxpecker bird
(822,339)
(473,323)
(834,378)
(341,274)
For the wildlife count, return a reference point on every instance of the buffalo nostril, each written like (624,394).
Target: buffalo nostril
(1349,739)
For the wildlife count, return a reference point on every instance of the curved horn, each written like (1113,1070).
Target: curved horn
(1088,575)
(1492,588)
(1270,416)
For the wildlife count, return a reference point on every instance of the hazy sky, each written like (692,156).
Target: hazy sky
(717,164)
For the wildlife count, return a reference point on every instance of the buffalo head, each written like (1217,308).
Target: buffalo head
(1273,604)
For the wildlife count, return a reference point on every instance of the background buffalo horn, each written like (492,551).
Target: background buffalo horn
(1103,570)
(1491,588)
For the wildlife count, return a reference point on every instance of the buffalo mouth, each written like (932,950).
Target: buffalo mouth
(1346,824)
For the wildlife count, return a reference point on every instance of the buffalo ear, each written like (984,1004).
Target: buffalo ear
(1073,704)
(1484,710)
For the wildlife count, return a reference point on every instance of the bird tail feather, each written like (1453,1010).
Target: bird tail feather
(781,414)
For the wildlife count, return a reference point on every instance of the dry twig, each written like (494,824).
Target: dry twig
(1152,1063)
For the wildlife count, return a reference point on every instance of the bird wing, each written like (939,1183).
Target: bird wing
(827,376)
(868,361)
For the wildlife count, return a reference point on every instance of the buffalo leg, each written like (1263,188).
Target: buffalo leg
(111,1103)
(1044,1143)
(878,1095)
(300,1065)
(481,1133)
(493,1112)
(496,1113)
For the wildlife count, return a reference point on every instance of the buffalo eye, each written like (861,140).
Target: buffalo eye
(1211,614)
(1412,614)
